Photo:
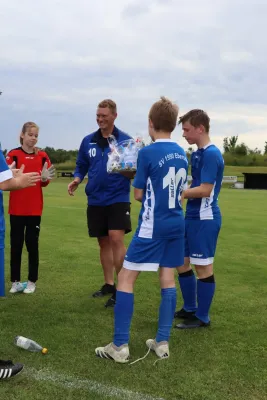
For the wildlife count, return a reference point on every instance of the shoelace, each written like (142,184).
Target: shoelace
(160,359)
(142,358)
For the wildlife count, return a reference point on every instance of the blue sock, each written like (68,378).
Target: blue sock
(188,285)
(123,314)
(205,293)
(166,313)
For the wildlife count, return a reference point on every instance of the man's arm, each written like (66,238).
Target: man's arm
(138,194)
(82,164)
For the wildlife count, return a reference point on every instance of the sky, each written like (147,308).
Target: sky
(60,58)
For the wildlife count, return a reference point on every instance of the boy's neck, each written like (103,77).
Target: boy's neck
(162,135)
(203,142)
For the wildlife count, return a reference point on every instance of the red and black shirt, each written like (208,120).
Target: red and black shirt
(28,201)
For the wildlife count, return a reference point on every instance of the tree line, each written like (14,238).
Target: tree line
(58,156)
(239,154)
(234,153)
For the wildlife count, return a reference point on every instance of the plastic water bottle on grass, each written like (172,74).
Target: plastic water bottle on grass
(29,345)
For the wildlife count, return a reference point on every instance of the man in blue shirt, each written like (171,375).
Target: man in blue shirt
(159,239)
(108,195)
(11,181)
(202,222)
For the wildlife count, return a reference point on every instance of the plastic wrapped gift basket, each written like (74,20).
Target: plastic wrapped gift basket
(123,155)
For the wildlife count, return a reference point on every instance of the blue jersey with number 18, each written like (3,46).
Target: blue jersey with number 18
(162,174)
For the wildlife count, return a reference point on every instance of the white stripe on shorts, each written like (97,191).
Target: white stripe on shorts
(201,261)
(152,267)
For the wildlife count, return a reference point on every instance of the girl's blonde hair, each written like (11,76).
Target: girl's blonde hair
(25,128)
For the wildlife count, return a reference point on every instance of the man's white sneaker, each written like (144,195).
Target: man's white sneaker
(118,354)
(30,288)
(16,287)
(161,348)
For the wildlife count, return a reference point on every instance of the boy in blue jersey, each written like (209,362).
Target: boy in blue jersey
(159,238)
(11,181)
(202,222)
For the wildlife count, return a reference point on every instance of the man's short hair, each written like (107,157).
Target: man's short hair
(196,118)
(163,115)
(108,103)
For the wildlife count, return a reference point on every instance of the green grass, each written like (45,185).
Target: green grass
(228,170)
(237,171)
(227,361)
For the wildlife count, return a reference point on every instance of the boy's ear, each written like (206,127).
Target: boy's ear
(150,123)
(201,129)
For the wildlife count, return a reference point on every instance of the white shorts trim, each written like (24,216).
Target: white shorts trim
(152,267)
(201,261)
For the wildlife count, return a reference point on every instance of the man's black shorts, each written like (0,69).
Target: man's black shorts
(101,219)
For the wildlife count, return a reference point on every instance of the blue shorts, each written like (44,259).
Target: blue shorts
(201,240)
(2,239)
(150,254)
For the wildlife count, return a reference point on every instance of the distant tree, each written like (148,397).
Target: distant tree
(232,142)
(226,147)
(229,144)
(241,149)
(265,148)
(255,151)
(60,155)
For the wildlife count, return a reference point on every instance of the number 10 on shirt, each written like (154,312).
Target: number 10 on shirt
(175,182)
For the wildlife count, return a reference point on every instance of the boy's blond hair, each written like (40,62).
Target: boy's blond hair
(163,115)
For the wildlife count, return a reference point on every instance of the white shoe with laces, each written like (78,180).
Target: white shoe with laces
(161,348)
(112,352)
(16,287)
(30,288)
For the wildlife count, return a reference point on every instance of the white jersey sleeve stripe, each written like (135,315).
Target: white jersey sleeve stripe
(5,175)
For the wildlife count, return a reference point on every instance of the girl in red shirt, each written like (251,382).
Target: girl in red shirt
(26,206)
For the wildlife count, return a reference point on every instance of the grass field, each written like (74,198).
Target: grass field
(236,171)
(227,361)
(228,170)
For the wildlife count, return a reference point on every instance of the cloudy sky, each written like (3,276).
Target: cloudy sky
(59,58)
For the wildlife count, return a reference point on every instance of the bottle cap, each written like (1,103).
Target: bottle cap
(44,350)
